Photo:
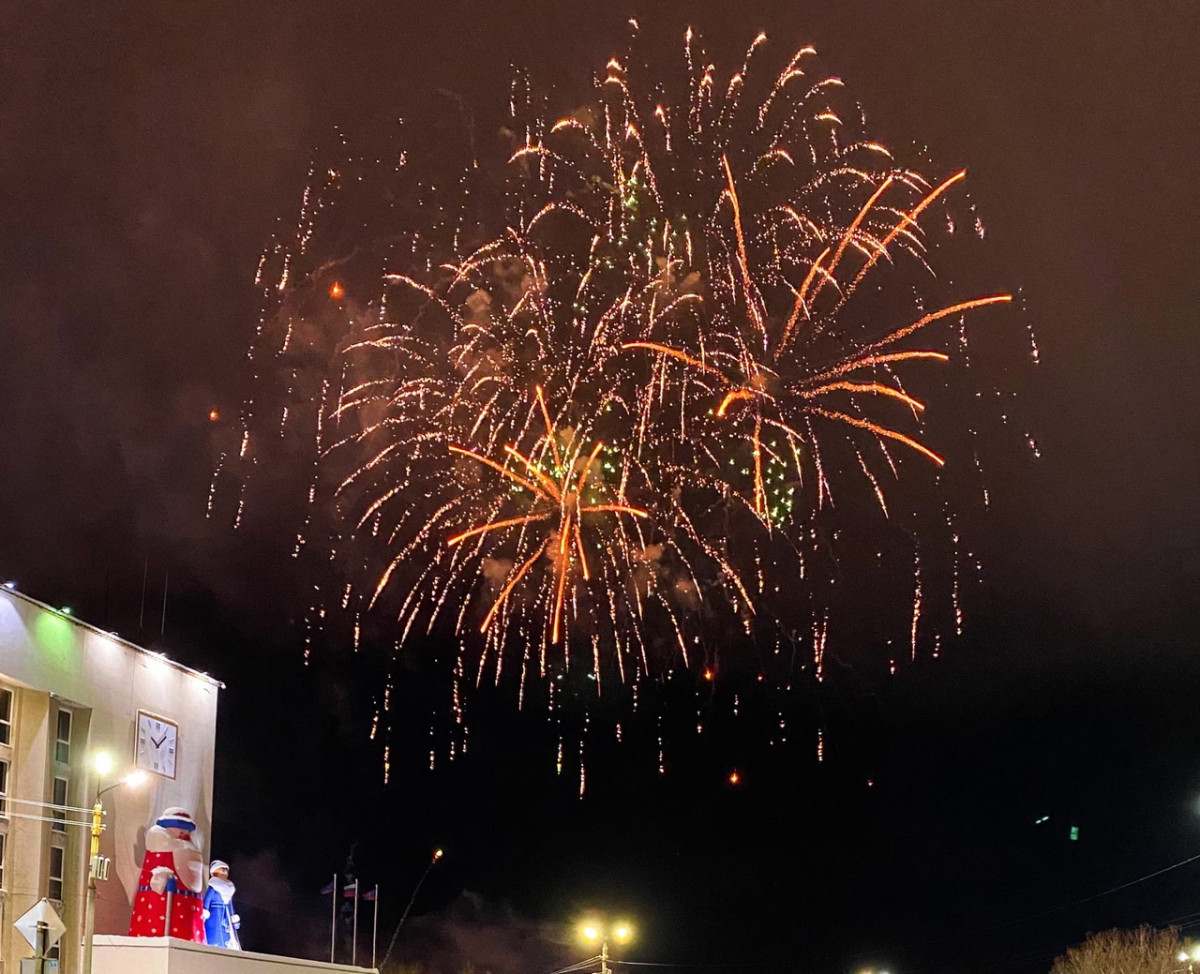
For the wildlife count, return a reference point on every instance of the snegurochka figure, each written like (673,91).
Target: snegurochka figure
(221,923)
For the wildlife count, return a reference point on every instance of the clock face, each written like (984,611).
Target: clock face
(157,744)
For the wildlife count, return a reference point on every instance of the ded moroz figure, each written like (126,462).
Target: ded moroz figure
(221,923)
(172,876)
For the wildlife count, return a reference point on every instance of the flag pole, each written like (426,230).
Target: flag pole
(375,927)
(333,895)
(354,942)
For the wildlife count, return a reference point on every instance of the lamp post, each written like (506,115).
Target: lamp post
(591,931)
(433,861)
(102,763)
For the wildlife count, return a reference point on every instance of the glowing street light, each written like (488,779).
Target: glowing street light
(592,930)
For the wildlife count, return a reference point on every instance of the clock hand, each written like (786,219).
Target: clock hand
(159,742)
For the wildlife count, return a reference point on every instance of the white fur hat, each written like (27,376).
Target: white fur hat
(217,864)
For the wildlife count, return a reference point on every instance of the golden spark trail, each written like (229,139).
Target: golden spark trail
(880,431)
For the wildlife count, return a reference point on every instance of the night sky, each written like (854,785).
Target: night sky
(146,151)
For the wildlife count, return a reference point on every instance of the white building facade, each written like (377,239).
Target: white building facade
(67,692)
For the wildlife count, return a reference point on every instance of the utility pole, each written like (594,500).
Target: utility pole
(41,946)
(89,917)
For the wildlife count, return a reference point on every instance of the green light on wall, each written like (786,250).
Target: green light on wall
(1074,833)
(53,632)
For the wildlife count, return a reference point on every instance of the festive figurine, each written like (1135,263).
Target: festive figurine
(168,893)
(220,922)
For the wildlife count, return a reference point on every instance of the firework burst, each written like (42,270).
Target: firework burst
(603,405)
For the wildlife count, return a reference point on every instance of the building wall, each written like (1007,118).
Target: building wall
(52,662)
(160,955)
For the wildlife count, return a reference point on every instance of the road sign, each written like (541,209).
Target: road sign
(41,912)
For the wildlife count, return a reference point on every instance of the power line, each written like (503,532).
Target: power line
(586,962)
(1043,913)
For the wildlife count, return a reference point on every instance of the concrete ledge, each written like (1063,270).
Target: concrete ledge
(166,955)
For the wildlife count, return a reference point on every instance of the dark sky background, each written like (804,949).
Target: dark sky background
(146,150)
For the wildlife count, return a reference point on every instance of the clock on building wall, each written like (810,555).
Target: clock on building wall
(157,744)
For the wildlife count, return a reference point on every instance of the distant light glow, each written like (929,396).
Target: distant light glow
(102,761)
(336,290)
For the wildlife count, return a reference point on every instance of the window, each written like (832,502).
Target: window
(62,743)
(60,798)
(6,703)
(55,890)
(3,787)
(3,842)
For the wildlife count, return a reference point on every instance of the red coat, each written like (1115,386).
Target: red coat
(150,906)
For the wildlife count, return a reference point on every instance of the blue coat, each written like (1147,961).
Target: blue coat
(221,922)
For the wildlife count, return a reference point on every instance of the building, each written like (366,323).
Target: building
(68,691)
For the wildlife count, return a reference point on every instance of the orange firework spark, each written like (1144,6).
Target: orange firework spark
(566,497)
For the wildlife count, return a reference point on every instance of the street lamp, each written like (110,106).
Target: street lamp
(102,763)
(592,931)
(433,861)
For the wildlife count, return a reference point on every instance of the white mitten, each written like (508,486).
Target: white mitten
(159,877)
(237,920)
(206,914)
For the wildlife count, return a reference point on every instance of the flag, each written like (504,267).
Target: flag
(327,889)
(350,890)
(370,895)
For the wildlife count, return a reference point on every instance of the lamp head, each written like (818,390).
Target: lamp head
(102,762)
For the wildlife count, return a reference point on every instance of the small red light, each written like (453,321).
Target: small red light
(213,415)
(336,290)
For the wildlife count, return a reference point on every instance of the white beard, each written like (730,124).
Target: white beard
(188,863)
